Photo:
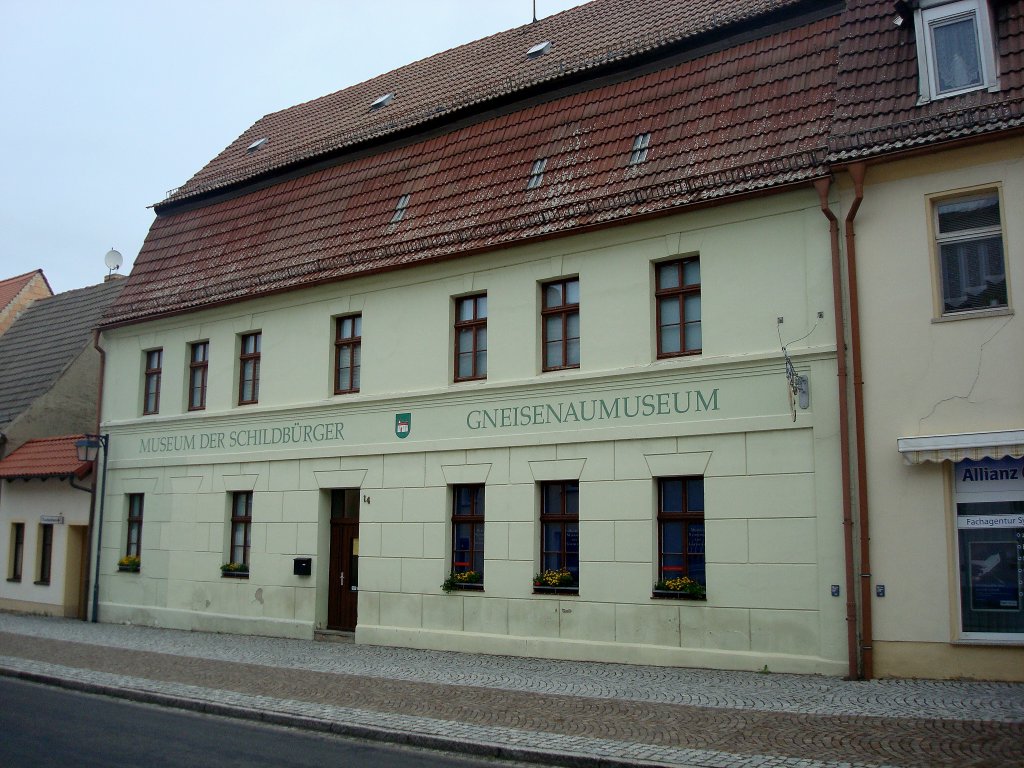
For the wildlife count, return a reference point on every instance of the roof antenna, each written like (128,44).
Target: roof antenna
(534,11)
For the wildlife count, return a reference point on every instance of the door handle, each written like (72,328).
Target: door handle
(341,578)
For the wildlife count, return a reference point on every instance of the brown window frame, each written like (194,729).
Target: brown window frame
(680,293)
(477,327)
(45,553)
(688,515)
(133,540)
(564,520)
(245,359)
(198,371)
(241,519)
(565,310)
(472,519)
(152,379)
(17,551)
(352,344)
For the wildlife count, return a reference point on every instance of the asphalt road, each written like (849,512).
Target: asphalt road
(44,726)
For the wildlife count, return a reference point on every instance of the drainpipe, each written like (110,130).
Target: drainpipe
(87,585)
(857,172)
(822,187)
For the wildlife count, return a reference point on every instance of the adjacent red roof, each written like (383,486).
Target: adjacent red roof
(747,116)
(877,108)
(583,39)
(12,286)
(47,457)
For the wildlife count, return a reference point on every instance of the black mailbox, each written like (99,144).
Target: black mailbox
(303,566)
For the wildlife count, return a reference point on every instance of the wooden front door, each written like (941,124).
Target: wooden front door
(343,592)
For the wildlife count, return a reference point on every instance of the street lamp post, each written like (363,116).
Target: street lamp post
(88,448)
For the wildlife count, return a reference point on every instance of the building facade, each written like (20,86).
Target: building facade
(559,356)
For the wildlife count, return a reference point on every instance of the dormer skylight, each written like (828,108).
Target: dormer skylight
(382,101)
(639,153)
(403,203)
(537,173)
(256,145)
(539,50)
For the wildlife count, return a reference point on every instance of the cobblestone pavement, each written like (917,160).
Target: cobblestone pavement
(559,712)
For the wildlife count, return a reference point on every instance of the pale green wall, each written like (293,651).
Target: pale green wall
(923,377)
(773,506)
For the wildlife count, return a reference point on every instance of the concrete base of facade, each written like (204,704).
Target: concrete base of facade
(41,609)
(169,618)
(946,661)
(581,650)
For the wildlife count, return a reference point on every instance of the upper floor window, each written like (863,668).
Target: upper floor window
(348,344)
(969,245)
(561,319)
(681,529)
(151,394)
(199,359)
(640,145)
(954,47)
(677,293)
(133,547)
(468,533)
(471,338)
(249,369)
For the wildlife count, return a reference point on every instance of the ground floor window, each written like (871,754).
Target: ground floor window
(680,530)
(133,547)
(45,552)
(241,527)
(468,533)
(17,550)
(990,548)
(560,533)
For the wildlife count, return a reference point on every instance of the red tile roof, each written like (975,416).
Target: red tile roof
(877,93)
(47,457)
(748,116)
(12,286)
(585,39)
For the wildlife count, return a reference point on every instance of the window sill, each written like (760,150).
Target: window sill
(555,590)
(16,580)
(668,594)
(42,583)
(234,575)
(950,317)
(468,588)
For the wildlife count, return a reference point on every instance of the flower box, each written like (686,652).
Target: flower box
(129,568)
(671,594)
(129,564)
(234,571)
(234,574)
(539,589)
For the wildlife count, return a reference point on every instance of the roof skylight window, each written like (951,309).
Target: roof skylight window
(256,145)
(539,50)
(537,173)
(403,203)
(382,101)
(639,153)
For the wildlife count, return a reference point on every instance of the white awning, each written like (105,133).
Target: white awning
(969,445)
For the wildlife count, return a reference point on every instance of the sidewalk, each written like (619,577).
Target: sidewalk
(555,712)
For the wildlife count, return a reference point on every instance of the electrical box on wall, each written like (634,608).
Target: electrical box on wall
(303,566)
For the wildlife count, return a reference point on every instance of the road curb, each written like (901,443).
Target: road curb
(368,733)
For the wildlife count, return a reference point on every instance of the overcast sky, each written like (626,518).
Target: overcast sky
(107,104)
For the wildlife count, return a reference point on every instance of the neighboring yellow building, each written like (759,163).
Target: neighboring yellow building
(531,348)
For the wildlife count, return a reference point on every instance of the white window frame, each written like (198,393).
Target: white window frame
(934,13)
